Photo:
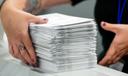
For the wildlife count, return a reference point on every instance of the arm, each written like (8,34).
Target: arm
(41,4)
(45,4)
(15,22)
(49,3)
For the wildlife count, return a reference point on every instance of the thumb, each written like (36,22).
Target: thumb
(110,27)
(38,20)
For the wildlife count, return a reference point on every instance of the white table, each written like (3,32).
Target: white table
(11,67)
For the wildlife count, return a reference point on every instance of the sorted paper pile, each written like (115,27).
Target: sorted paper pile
(65,43)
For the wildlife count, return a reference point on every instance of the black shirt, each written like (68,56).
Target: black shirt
(107,10)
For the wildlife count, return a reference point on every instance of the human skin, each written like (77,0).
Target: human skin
(119,45)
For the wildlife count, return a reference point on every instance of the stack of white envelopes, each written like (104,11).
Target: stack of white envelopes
(65,43)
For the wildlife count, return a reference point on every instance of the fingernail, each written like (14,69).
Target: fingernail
(45,19)
(103,23)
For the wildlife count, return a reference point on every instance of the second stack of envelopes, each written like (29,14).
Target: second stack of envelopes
(65,43)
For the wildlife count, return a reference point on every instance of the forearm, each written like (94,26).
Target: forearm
(25,4)
(45,4)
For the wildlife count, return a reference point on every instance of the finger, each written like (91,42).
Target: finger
(116,60)
(18,55)
(113,60)
(28,44)
(118,56)
(38,20)
(107,59)
(11,50)
(110,27)
(25,55)
(15,51)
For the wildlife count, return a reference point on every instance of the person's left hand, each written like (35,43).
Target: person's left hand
(119,45)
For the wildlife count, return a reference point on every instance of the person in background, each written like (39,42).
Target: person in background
(16,15)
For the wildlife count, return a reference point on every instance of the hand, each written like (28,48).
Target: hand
(119,45)
(16,24)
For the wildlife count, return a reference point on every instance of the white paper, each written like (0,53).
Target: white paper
(63,42)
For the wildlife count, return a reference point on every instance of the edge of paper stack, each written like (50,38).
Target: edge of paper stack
(65,43)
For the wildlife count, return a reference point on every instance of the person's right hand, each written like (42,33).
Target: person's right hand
(16,22)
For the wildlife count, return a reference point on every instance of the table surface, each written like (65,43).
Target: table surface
(12,67)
